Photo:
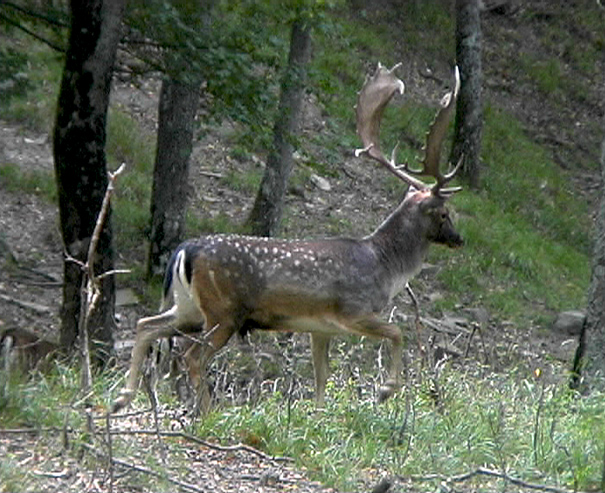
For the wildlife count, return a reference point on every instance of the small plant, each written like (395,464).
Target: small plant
(247,182)
(546,74)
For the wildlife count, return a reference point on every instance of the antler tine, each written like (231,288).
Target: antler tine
(373,98)
(435,138)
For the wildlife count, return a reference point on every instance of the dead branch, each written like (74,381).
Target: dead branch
(91,286)
(482,471)
(199,441)
(35,307)
(30,431)
(144,470)
(65,473)
(211,174)
(109,443)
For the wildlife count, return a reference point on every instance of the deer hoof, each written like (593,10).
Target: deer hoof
(122,401)
(386,391)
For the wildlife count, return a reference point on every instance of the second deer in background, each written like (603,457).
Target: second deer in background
(219,285)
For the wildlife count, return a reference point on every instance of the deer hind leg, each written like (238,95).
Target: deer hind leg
(320,345)
(200,354)
(148,330)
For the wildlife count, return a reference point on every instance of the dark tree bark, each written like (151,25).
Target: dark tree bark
(589,362)
(80,165)
(268,208)
(176,118)
(469,113)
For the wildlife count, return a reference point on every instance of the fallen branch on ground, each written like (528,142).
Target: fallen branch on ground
(199,441)
(482,471)
(144,470)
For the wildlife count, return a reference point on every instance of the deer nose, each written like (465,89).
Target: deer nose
(456,242)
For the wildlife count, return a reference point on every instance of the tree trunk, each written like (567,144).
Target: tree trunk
(80,166)
(469,114)
(176,118)
(589,362)
(268,207)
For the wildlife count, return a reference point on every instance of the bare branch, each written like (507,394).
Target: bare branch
(144,470)
(31,33)
(91,286)
(53,21)
(199,441)
(482,471)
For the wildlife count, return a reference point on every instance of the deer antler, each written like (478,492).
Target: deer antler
(373,98)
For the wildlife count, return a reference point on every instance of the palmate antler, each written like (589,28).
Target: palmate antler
(373,98)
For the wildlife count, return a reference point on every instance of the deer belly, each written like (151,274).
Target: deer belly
(327,326)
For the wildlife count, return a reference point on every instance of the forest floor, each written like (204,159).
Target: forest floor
(30,291)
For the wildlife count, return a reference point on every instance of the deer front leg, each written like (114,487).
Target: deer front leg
(320,345)
(374,327)
(148,330)
(393,333)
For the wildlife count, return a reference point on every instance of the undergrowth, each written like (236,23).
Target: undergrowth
(443,424)
(536,431)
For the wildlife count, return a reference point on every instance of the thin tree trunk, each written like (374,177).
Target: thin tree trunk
(80,165)
(589,362)
(176,118)
(268,207)
(469,114)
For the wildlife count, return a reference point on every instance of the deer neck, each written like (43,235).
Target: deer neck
(401,242)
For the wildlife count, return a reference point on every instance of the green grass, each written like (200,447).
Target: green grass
(35,108)
(37,182)
(128,142)
(538,432)
(44,401)
(528,237)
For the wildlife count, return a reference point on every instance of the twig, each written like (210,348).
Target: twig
(113,272)
(35,307)
(482,471)
(417,322)
(31,33)
(91,287)
(125,415)
(144,470)
(65,473)
(34,431)
(199,441)
(470,338)
(536,438)
(211,174)
(109,451)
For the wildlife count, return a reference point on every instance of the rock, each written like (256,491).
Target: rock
(125,297)
(321,183)
(446,350)
(569,323)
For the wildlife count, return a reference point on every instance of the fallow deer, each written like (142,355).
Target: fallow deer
(25,351)
(219,285)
